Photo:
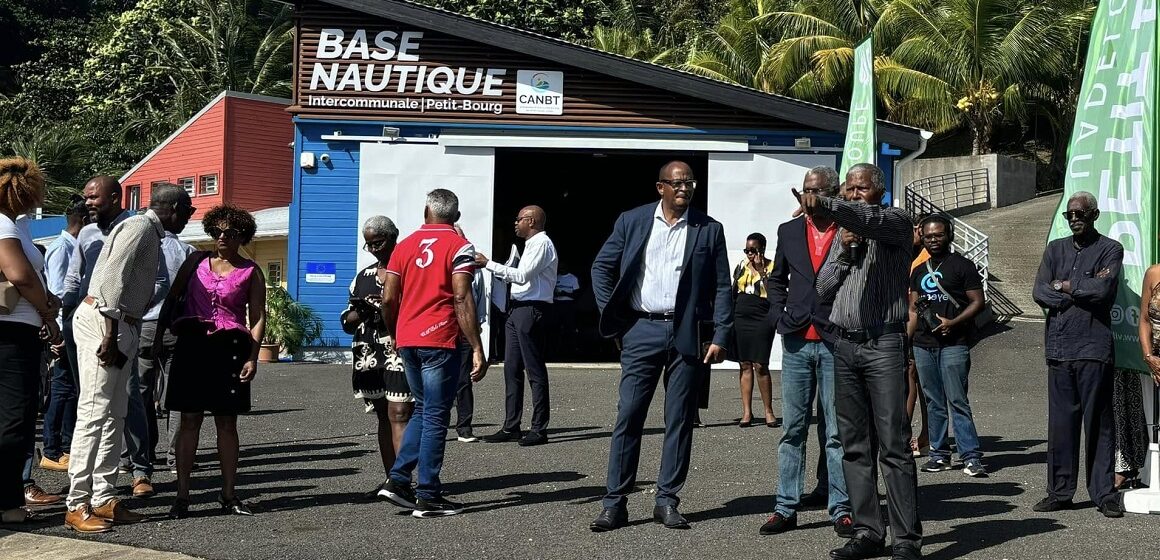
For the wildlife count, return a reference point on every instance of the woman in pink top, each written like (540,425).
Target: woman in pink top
(219,301)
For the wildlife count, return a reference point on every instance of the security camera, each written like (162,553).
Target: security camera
(324,158)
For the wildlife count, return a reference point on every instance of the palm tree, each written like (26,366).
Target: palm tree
(61,154)
(969,62)
(737,48)
(235,45)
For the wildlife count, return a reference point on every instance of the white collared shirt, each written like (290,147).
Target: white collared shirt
(664,260)
(534,278)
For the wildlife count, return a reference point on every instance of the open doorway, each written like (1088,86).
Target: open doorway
(582,192)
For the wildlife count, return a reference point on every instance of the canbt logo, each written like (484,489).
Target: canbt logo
(1129,315)
(540,83)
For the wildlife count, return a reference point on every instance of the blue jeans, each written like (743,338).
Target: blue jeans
(943,374)
(807,368)
(433,374)
(61,416)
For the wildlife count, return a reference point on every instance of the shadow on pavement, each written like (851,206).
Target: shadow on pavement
(513,480)
(970,538)
(939,502)
(739,507)
(270,411)
(599,435)
(1008,454)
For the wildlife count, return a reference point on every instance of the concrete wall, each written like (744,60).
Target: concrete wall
(1010,180)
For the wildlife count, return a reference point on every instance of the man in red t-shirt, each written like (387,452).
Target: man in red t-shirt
(807,364)
(427,303)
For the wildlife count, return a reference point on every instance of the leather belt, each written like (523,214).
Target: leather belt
(131,321)
(861,336)
(654,316)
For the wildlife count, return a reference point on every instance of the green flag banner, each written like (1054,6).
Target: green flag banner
(860,131)
(1113,152)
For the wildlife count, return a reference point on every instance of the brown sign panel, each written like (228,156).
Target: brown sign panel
(354,66)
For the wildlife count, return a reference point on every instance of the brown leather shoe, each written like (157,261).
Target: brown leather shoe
(113,510)
(36,496)
(82,520)
(59,465)
(142,487)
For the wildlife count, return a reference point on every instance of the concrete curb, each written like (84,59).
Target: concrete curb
(31,546)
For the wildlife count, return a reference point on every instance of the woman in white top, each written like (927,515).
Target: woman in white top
(24,326)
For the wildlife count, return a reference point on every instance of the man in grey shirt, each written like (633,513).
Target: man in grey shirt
(866,275)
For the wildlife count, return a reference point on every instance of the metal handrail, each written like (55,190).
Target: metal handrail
(952,191)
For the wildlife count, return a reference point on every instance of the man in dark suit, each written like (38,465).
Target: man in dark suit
(662,284)
(802,319)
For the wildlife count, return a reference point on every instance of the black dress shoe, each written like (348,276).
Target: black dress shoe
(670,517)
(1113,507)
(533,438)
(179,509)
(778,523)
(609,519)
(906,552)
(503,436)
(1050,504)
(858,548)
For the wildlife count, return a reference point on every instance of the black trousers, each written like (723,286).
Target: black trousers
(20,355)
(526,329)
(870,394)
(1079,393)
(465,395)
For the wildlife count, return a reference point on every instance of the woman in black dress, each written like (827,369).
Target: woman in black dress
(378,377)
(754,332)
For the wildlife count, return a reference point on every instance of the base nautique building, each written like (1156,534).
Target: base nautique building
(393,99)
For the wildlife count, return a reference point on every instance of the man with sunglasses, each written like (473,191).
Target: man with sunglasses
(1077,284)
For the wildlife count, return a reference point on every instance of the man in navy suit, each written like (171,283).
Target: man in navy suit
(662,285)
(807,367)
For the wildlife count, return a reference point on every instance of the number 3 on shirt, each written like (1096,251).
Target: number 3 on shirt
(428,256)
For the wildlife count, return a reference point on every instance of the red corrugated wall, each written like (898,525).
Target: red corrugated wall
(259,159)
(198,150)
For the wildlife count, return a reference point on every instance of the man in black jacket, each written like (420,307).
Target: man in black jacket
(802,319)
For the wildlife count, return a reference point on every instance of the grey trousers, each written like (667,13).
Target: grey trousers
(870,390)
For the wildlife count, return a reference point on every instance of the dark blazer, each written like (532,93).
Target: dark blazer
(703,295)
(793,299)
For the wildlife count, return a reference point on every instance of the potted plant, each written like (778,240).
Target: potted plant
(289,325)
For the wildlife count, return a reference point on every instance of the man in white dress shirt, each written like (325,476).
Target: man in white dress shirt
(533,283)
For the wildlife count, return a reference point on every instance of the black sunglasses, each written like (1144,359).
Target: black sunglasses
(374,246)
(1076,215)
(749,251)
(690,184)
(228,233)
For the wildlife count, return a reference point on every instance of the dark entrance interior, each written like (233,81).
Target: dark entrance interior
(583,192)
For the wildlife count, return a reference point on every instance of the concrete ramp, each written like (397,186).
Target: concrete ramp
(1018,235)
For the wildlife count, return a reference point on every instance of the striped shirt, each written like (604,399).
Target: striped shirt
(872,290)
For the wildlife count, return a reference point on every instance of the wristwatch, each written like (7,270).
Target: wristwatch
(1057,285)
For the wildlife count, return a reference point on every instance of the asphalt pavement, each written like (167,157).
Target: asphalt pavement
(309,454)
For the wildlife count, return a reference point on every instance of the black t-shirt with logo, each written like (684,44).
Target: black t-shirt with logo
(957,276)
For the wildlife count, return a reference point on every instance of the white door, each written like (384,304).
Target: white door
(750,192)
(394,180)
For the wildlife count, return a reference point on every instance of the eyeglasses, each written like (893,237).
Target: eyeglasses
(689,184)
(750,251)
(935,236)
(813,191)
(522,218)
(375,246)
(228,233)
(1075,215)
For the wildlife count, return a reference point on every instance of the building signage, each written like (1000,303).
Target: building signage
(389,67)
(539,92)
(320,272)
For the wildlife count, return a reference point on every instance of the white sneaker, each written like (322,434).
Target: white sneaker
(467,439)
